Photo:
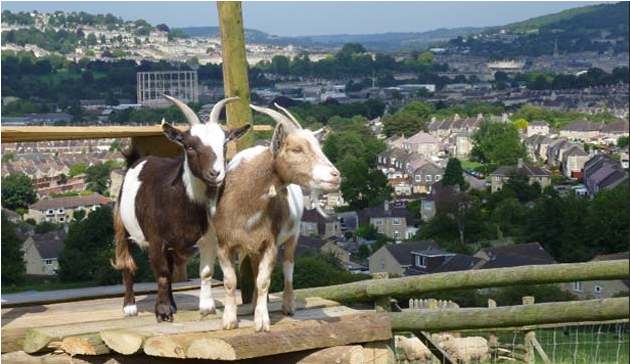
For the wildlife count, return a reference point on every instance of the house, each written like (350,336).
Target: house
(573,162)
(311,244)
(424,144)
(396,258)
(513,256)
(612,131)
(417,258)
(423,174)
(534,174)
(555,151)
(392,161)
(537,146)
(603,173)
(348,221)
(395,222)
(460,144)
(61,209)
(583,130)
(427,208)
(537,127)
(395,141)
(41,252)
(11,215)
(600,289)
(314,224)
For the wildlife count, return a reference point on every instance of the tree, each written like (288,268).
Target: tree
(498,144)
(77,168)
(518,183)
(521,124)
(425,58)
(85,243)
(363,187)
(97,178)
(454,174)
(162,27)
(18,191)
(363,252)
(91,39)
(13,265)
(622,142)
(280,64)
(607,220)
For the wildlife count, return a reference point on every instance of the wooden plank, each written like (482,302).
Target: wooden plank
(244,343)
(37,339)
(483,278)
(490,318)
(552,326)
(379,352)
(540,350)
(340,354)
(15,134)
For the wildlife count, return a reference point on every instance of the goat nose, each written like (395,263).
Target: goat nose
(214,173)
(334,173)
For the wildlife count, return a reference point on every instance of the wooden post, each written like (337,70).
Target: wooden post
(529,335)
(235,83)
(382,304)
(493,339)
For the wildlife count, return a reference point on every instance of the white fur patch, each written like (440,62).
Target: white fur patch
(130,310)
(130,189)
(287,271)
(295,200)
(245,155)
(253,220)
(207,255)
(195,188)
(213,136)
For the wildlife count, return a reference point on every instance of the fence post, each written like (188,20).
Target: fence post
(382,304)
(494,340)
(530,336)
(235,83)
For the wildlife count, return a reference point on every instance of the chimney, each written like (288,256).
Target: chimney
(479,116)
(504,117)
(456,117)
(520,163)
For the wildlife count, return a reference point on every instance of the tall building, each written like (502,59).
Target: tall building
(180,84)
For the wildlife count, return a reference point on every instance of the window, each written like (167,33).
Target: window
(378,222)
(60,211)
(396,222)
(428,178)
(577,286)
(51,211)
(418,178)
(437,177)
(382,264)
(428,206)
(396,234)
(48,261)
(598,289)
(62,219)
(421,261)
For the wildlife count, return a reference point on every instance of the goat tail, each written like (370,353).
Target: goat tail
(124,255)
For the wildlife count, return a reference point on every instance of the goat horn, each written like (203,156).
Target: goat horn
(297,123)
(319,131)
(189,114)
(216,109)
(279,118)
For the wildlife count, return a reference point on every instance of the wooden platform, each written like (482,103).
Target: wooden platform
(95,331)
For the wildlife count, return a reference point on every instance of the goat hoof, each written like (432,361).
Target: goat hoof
(261,321)
(288,309)
(229,324)
(207,307)
(130,310)
(164,312)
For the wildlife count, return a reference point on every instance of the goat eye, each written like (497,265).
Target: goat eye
(296,150)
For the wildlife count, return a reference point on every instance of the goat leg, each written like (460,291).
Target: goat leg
(268,254)
(226,259)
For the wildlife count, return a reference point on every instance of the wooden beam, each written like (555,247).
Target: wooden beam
(483,278)
(15,134)
(244,343)
(490,318)
(90,344)
(442,356)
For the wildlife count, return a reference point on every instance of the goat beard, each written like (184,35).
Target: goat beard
(315,203)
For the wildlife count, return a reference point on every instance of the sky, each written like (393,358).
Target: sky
(295,18)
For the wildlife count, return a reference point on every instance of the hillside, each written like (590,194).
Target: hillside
(380,41)
(597,28)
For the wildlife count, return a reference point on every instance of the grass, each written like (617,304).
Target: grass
(471,164)
(45,286)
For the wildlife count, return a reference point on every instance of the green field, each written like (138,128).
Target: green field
(471,164)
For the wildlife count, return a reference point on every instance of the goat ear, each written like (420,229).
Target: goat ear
(279,134)
(173,134)
(236,133)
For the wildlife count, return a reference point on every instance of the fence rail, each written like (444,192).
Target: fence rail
(509,316)
(485,278)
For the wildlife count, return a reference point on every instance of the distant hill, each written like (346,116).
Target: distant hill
(381,41)
(597,28)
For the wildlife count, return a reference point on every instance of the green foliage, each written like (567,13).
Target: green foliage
(519,185)
(409,120)
(88,246)
(363,252)
(361,186)
(7,157)
(45,226)
(521,124)
(315,269)
(18,191)
(454,174)
(97,177)
(13,265)
(622,142)
(78,215)
(497,144)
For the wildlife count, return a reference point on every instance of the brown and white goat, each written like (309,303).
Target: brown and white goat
(261,207)
(166,205)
